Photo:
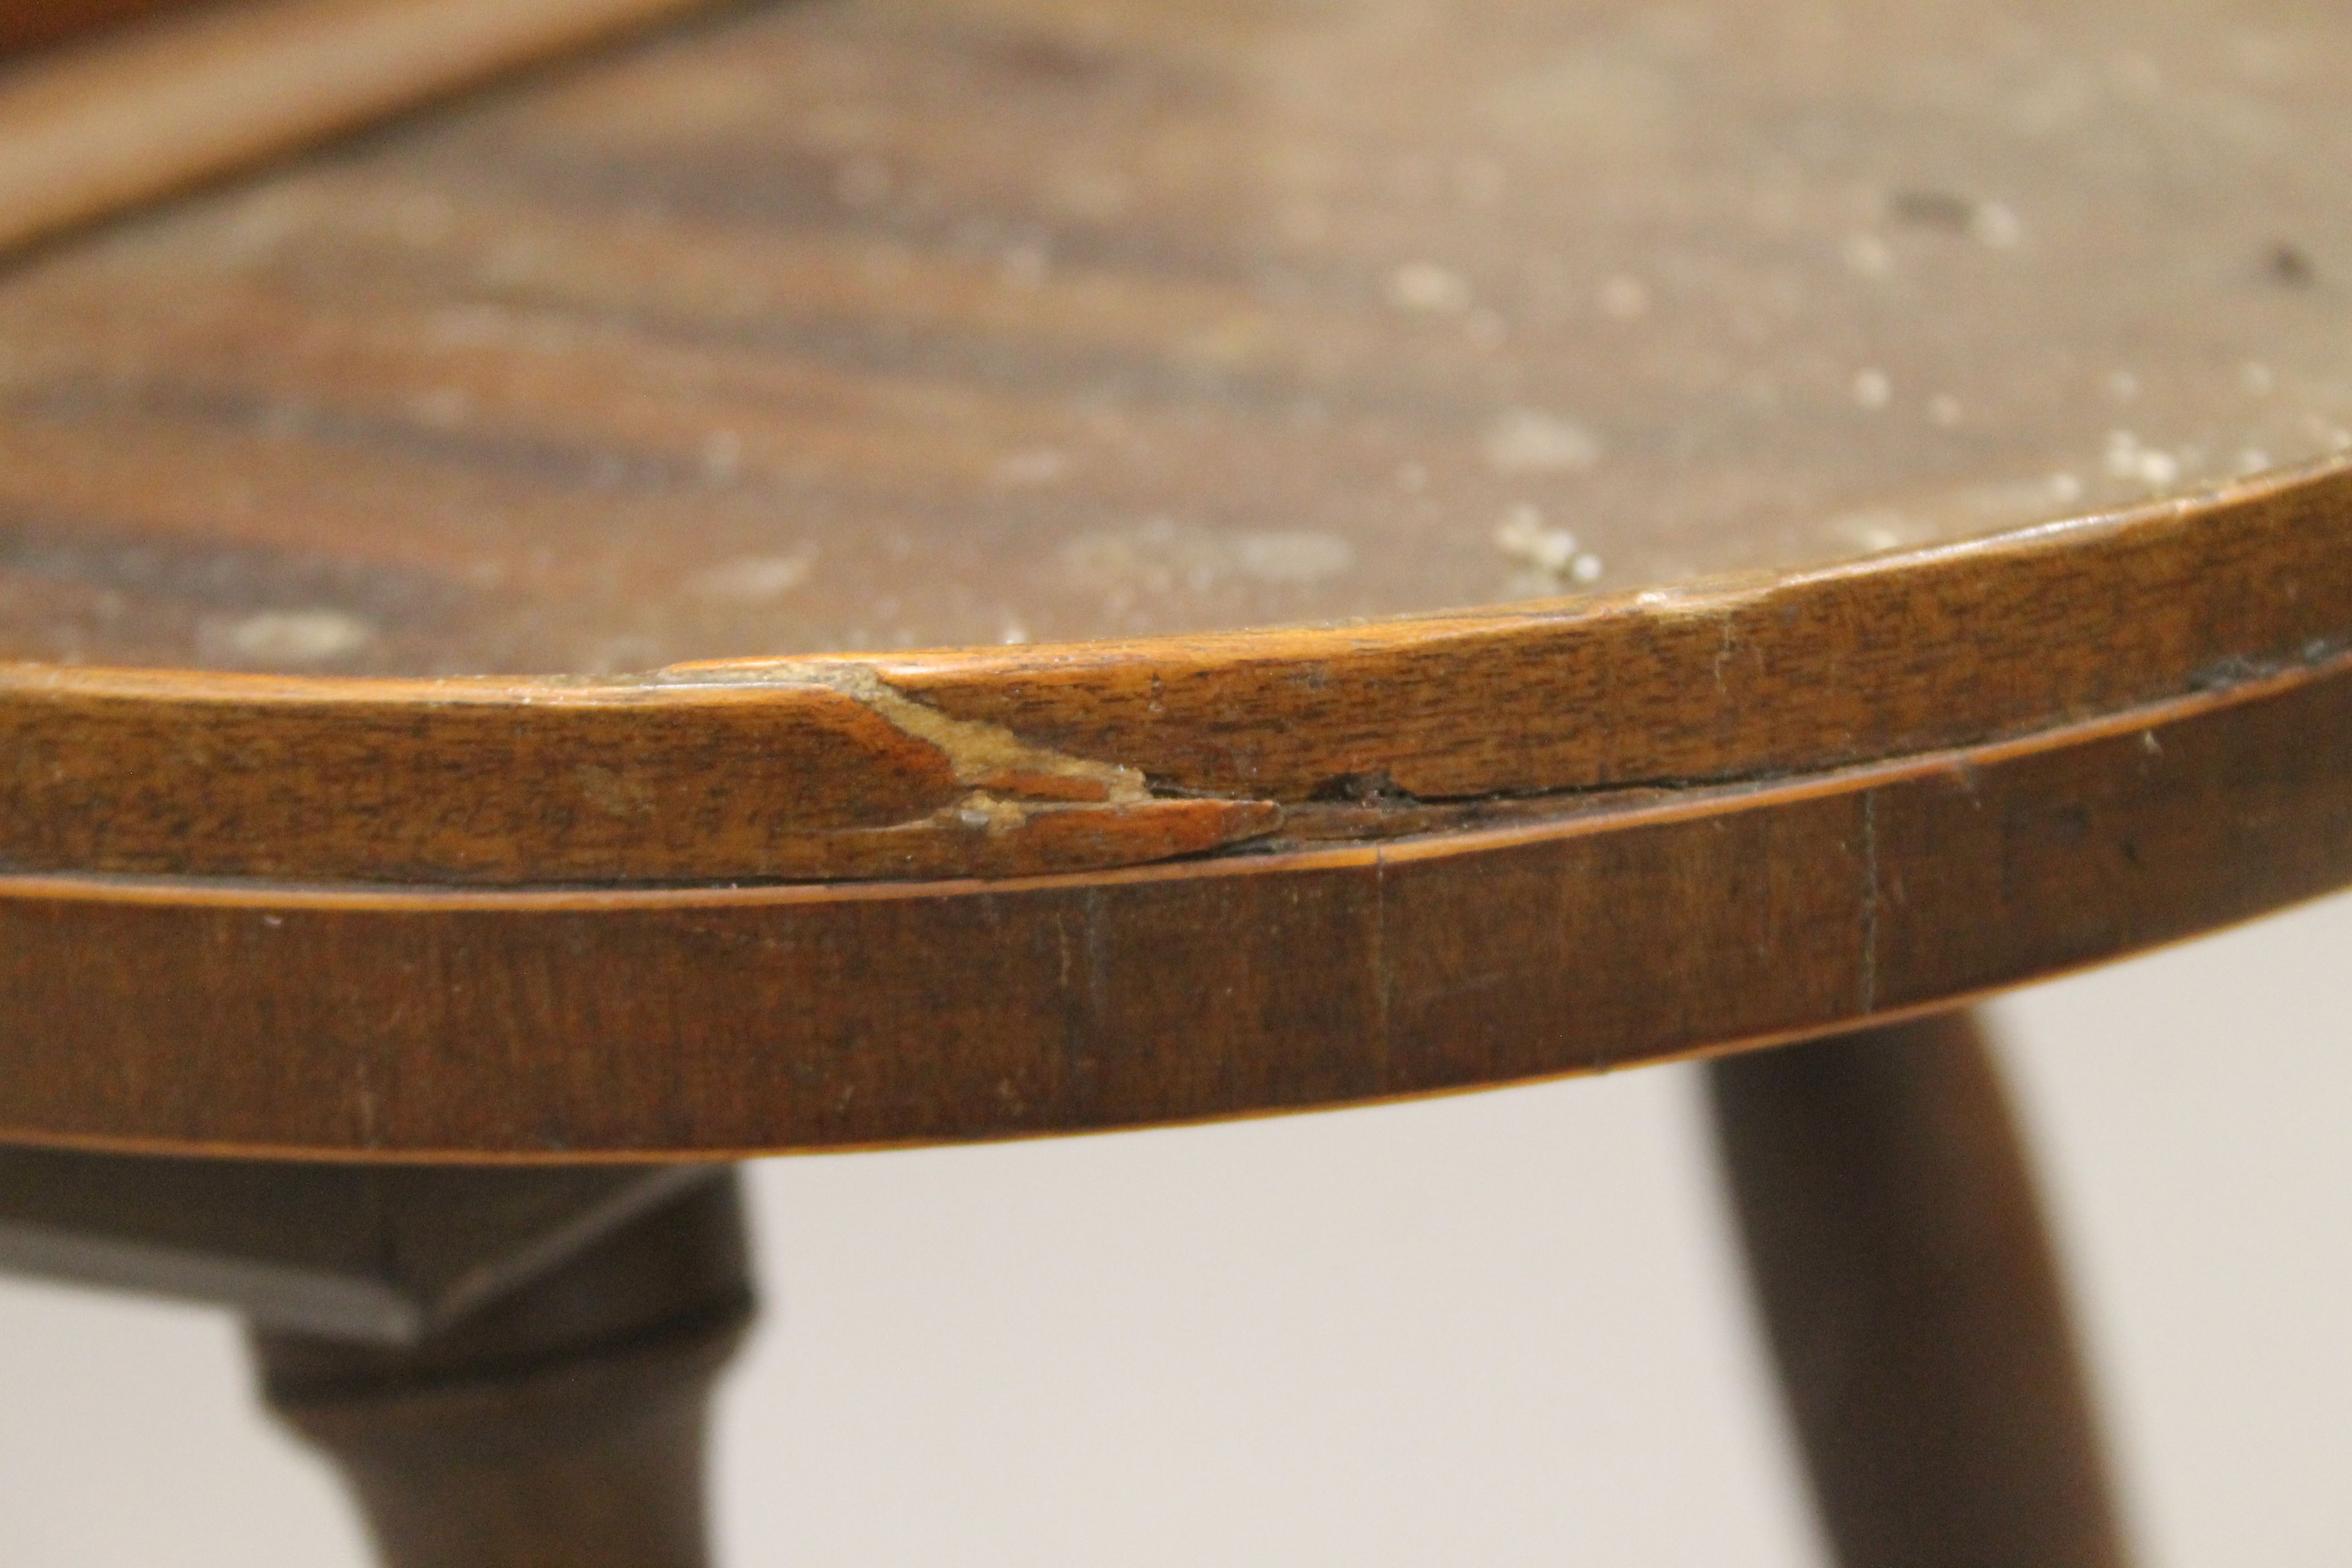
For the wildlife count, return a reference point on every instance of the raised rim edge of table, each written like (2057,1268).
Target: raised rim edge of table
(708,1022)
(1035,759)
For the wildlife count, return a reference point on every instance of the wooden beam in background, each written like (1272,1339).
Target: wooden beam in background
(147,111)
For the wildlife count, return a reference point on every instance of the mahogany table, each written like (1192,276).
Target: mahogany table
(862,572)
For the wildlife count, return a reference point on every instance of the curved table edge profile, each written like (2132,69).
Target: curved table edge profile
(1455,851)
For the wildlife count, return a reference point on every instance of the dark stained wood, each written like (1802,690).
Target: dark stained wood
(704,214)
(356,1252)
(496,784)
(1046,759)
(857,325)
(686,1021)
(31,24)
(860,323)
(1948,416)
(563,1424)
(1904,1276)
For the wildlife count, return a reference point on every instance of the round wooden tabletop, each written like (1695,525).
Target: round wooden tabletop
(873,325)
(1458,540)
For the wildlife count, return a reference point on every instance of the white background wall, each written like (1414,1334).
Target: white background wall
(1497,1330)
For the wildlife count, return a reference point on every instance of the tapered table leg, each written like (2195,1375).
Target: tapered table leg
(1898,1256)
(562,1427)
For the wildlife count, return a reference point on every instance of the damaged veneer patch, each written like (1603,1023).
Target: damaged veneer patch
(1016,808)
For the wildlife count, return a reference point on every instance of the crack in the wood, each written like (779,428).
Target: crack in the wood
(1371,804)
(1009,778)
(1012,784)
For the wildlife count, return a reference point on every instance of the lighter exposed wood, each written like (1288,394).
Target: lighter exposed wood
(140,113)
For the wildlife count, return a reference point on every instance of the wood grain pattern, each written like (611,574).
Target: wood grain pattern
(143,112)
(1908,653)
(1907,1284)
(867,325)
(499,784)
(702,1021)
(967,762)
(815,321)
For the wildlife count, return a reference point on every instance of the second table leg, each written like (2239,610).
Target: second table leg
(1897,1253)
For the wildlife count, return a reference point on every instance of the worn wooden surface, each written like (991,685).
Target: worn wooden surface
(1906,446)
(834,326)
(1905,1280)
(336,507)
(707,1020)
(563,1425)
(998,762)
(864,325)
